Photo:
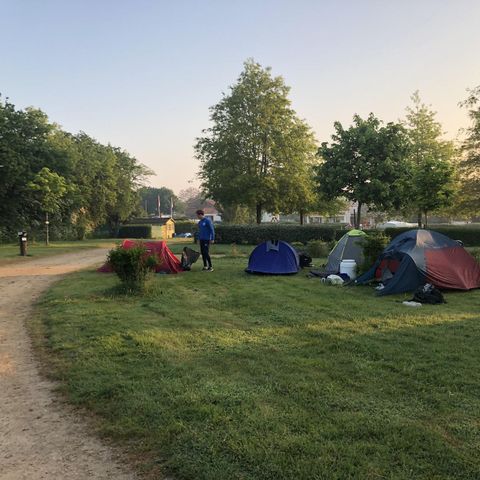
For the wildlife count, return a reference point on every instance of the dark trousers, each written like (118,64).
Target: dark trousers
(204,249)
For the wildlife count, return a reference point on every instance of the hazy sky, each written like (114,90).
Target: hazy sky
(142,74)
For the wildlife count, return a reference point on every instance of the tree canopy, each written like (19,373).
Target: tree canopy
(257,153)
(430,182)
(80,182)
(364,164)
(469,164)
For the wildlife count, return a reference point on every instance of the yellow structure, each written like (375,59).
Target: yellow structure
(163,228)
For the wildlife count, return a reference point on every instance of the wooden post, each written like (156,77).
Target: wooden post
(47,230)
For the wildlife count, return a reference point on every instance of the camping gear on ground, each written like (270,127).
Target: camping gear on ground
(167,262)
(304,259)
(274,258)
(189,257)
(349,267)
(333,280)
(349,247)
(419,256)
(428,294)
(410,303)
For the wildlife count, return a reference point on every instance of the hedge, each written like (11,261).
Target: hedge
(469,235)
(254,234)
(140,231)
(185,226)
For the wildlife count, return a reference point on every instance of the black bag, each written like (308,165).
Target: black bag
(189,257)
(428,294)
(305,260)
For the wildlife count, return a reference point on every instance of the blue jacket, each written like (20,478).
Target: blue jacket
(206,230)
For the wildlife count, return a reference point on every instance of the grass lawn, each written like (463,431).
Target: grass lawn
(10,252)
(229,376)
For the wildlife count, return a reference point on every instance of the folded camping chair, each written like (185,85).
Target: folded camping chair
(189,257)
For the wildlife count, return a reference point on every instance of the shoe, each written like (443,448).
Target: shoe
(205,269)
(210,269)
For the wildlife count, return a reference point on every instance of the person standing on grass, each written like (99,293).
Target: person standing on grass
(206,236)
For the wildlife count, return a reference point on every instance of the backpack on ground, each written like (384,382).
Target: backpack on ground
(304,260)
(428,294)
(189,257)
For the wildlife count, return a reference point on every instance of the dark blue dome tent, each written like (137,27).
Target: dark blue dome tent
(423,256)
(273,258)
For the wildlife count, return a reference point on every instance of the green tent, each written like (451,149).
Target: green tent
(349,247)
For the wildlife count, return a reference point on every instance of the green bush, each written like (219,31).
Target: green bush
(373,245)
(298,246)
(468,234)
(318,248)
(254,234)
(132,266)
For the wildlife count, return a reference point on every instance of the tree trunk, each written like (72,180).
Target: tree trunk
(302,217)
(419,219)
(114,227)
(259,213)
(426,220)
(359,215)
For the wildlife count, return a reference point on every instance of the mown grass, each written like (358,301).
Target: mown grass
(229,376)
(11,252)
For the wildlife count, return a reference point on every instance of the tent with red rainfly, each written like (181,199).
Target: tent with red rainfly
(167,261)
(420,256)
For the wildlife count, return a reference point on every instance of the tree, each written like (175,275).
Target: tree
(129,177)
(364,164)
(192,199)
(469,165)
(149,197)
(50,188)
(431,183)
(24,150)
(104,179)
(327,207)
(257,152)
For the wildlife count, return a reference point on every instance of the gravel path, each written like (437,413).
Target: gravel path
(39,437)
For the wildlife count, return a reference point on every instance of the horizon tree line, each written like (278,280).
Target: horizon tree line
(257,155)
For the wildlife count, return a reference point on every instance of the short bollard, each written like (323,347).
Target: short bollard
(22,239)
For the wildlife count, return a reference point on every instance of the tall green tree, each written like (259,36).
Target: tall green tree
(104,179)
(24,150)
(129,178)
(50,190)
(469,164)
(364,164)
(257,153)
(431,180)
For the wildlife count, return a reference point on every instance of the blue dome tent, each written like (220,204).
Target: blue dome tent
(274,258)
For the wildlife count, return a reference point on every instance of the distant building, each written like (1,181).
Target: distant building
(165,226)
(346,217)
(208,206)
(212,213)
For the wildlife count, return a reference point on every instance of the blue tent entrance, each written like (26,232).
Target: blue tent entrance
(273,258)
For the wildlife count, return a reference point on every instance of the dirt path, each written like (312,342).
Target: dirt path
(39,438)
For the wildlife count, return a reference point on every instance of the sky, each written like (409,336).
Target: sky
(142,74)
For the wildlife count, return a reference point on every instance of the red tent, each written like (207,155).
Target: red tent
(167,261)
(419,256)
